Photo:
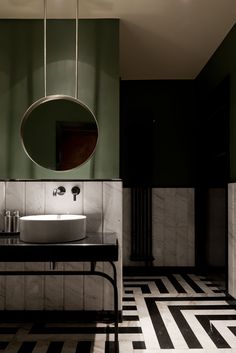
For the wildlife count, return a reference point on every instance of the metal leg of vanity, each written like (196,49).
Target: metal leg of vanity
(93,272)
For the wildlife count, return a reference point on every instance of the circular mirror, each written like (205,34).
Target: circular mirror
(59,132)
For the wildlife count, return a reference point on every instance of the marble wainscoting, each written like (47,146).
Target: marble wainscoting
(173,232)
(101,202)
(232,239)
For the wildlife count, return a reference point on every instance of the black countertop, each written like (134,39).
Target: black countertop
(94,247)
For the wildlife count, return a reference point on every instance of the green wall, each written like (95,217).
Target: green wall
(22,83)
(221,65)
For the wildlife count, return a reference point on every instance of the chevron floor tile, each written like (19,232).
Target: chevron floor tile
(177,313)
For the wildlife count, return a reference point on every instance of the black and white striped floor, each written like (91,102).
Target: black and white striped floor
(173,313)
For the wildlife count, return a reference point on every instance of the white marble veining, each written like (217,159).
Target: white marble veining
(53,289)
(35,198)
(34,287)
(93,205)
(101,202)
(73,295)
(173,230)
(2,203)
(231,239)
(2,264)
(126,225)
(63,203)
(15,200)
(112,222)
(93,286)
(172,227)
(15,196)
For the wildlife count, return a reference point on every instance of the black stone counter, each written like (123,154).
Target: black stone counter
(94,247)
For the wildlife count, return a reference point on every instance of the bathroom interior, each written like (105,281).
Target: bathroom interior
(157,171)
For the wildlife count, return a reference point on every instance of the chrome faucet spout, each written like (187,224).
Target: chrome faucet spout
(59,191)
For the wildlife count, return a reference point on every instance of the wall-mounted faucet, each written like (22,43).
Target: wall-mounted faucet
(59,191)
(75,191)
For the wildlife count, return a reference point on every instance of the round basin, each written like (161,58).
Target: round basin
(52,228)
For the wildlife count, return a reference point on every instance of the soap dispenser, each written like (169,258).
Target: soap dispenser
(16,221)
(7,221)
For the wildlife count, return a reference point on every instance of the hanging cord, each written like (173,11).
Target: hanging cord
(45,47)
(76,48)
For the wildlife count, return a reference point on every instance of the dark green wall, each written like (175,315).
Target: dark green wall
(157,132)
(21,84)
(222,65)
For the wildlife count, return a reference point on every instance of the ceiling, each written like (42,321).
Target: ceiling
(159,39)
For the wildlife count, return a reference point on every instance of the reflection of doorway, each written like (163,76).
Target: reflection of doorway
(75,142)
(211,208)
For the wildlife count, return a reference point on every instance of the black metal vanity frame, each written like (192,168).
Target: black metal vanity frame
(94,248)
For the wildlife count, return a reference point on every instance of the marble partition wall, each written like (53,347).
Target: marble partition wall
(232,239)
(172,227)
(101,202)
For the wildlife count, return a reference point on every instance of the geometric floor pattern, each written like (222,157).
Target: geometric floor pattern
(176,313)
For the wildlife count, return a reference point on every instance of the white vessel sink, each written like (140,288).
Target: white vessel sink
(52,228)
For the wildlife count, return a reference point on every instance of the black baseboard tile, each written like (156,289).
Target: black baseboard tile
(156,270)
(78,316)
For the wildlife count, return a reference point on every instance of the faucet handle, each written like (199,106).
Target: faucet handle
(75,191)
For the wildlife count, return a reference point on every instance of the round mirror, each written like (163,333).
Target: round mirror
(59,132)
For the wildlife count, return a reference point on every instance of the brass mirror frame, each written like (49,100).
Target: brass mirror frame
(44,100)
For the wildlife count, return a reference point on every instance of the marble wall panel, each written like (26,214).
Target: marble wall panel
(15,286)
(2,264)
(54,288)
(93,289)
(2,204)
(93,209)
(93,192)
(35,198)
(158,226)
(172,227)
(15,196)
(63,203)
(34,285)
(231,239)
(126,225)
(112,222)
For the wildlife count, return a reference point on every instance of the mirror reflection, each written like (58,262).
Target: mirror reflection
(59,132)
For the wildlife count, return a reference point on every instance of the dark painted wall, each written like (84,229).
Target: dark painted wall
(163,124)
(157,133)
(222,67)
